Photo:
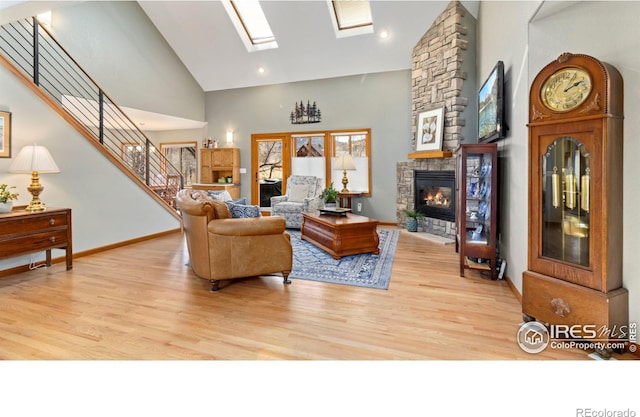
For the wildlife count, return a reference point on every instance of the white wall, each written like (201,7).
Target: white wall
(608,31)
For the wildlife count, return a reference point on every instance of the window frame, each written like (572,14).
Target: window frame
(330,153)
(252,45)
(345,30)
(186,144)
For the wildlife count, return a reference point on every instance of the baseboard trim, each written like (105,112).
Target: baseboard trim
(16,270)
(24,268)
(386,223)
(513,288)
(122,244)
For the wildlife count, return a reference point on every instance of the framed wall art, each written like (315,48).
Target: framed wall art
(430,130)
(5,134)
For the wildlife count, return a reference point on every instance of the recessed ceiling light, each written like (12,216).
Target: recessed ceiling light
(384,34)
(261,70)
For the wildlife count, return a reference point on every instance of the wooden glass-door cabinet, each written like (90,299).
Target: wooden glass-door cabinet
(476,217)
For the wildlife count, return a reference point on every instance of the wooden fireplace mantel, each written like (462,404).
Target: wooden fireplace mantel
(430,154)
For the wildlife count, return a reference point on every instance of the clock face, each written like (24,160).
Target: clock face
(566,89)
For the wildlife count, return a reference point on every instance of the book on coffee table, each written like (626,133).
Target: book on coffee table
(335,211)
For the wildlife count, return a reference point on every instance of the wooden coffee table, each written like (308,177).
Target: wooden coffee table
(341,235)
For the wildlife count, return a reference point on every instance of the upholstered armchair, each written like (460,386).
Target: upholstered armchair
(223,248)
(303,195)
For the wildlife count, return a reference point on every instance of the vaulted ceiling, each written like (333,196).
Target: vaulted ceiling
(205,40)
(203,37)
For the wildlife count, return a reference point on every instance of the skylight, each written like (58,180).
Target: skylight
(251,23)
(351,17)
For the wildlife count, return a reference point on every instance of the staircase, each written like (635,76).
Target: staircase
(31,53)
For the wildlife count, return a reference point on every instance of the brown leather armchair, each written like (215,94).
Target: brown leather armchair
(223,248)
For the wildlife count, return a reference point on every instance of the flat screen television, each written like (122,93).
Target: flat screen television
(491,106)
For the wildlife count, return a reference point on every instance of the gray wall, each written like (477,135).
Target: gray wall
(117,44)
(107,207)
(380,101)
(608,31)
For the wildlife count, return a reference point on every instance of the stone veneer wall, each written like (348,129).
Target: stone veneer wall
(437,81)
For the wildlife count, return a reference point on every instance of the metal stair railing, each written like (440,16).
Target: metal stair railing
(35,52)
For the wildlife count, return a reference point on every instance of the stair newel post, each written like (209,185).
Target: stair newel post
(101,116)
(36,52)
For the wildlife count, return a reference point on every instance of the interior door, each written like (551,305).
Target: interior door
(270,165)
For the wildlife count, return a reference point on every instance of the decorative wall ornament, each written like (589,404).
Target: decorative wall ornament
(303,115)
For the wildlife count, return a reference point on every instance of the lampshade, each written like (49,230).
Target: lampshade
(34,158)
(229,136)
(345,163)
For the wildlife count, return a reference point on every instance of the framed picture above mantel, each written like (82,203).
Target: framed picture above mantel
(430,131)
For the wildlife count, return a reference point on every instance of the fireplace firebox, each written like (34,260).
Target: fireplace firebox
(435,194)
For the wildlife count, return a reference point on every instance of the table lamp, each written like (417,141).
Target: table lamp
(345,163)
(35,160)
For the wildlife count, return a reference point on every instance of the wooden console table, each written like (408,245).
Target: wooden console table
(23,232)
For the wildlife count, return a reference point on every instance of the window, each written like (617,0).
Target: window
(308,155)
(316,153)
(358,145)
(251,23)
(134,157)
(182,155)
(351,17)
(309,146)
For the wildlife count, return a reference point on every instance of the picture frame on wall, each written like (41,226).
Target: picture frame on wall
(430,130)
(5,134)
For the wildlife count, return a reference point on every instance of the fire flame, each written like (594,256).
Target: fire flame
(436,199)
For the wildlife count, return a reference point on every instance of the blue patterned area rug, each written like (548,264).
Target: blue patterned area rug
(366,270)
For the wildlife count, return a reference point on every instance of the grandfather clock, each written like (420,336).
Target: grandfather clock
(574,274)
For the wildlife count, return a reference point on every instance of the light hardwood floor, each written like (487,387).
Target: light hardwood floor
(142,302)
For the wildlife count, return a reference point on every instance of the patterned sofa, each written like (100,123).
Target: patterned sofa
(303,195)
(223,248)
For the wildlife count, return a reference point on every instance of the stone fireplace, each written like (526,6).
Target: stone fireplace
(409,194)
(439,72)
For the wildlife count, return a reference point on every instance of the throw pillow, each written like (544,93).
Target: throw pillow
(220,195)
(298,192)
(239,211)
